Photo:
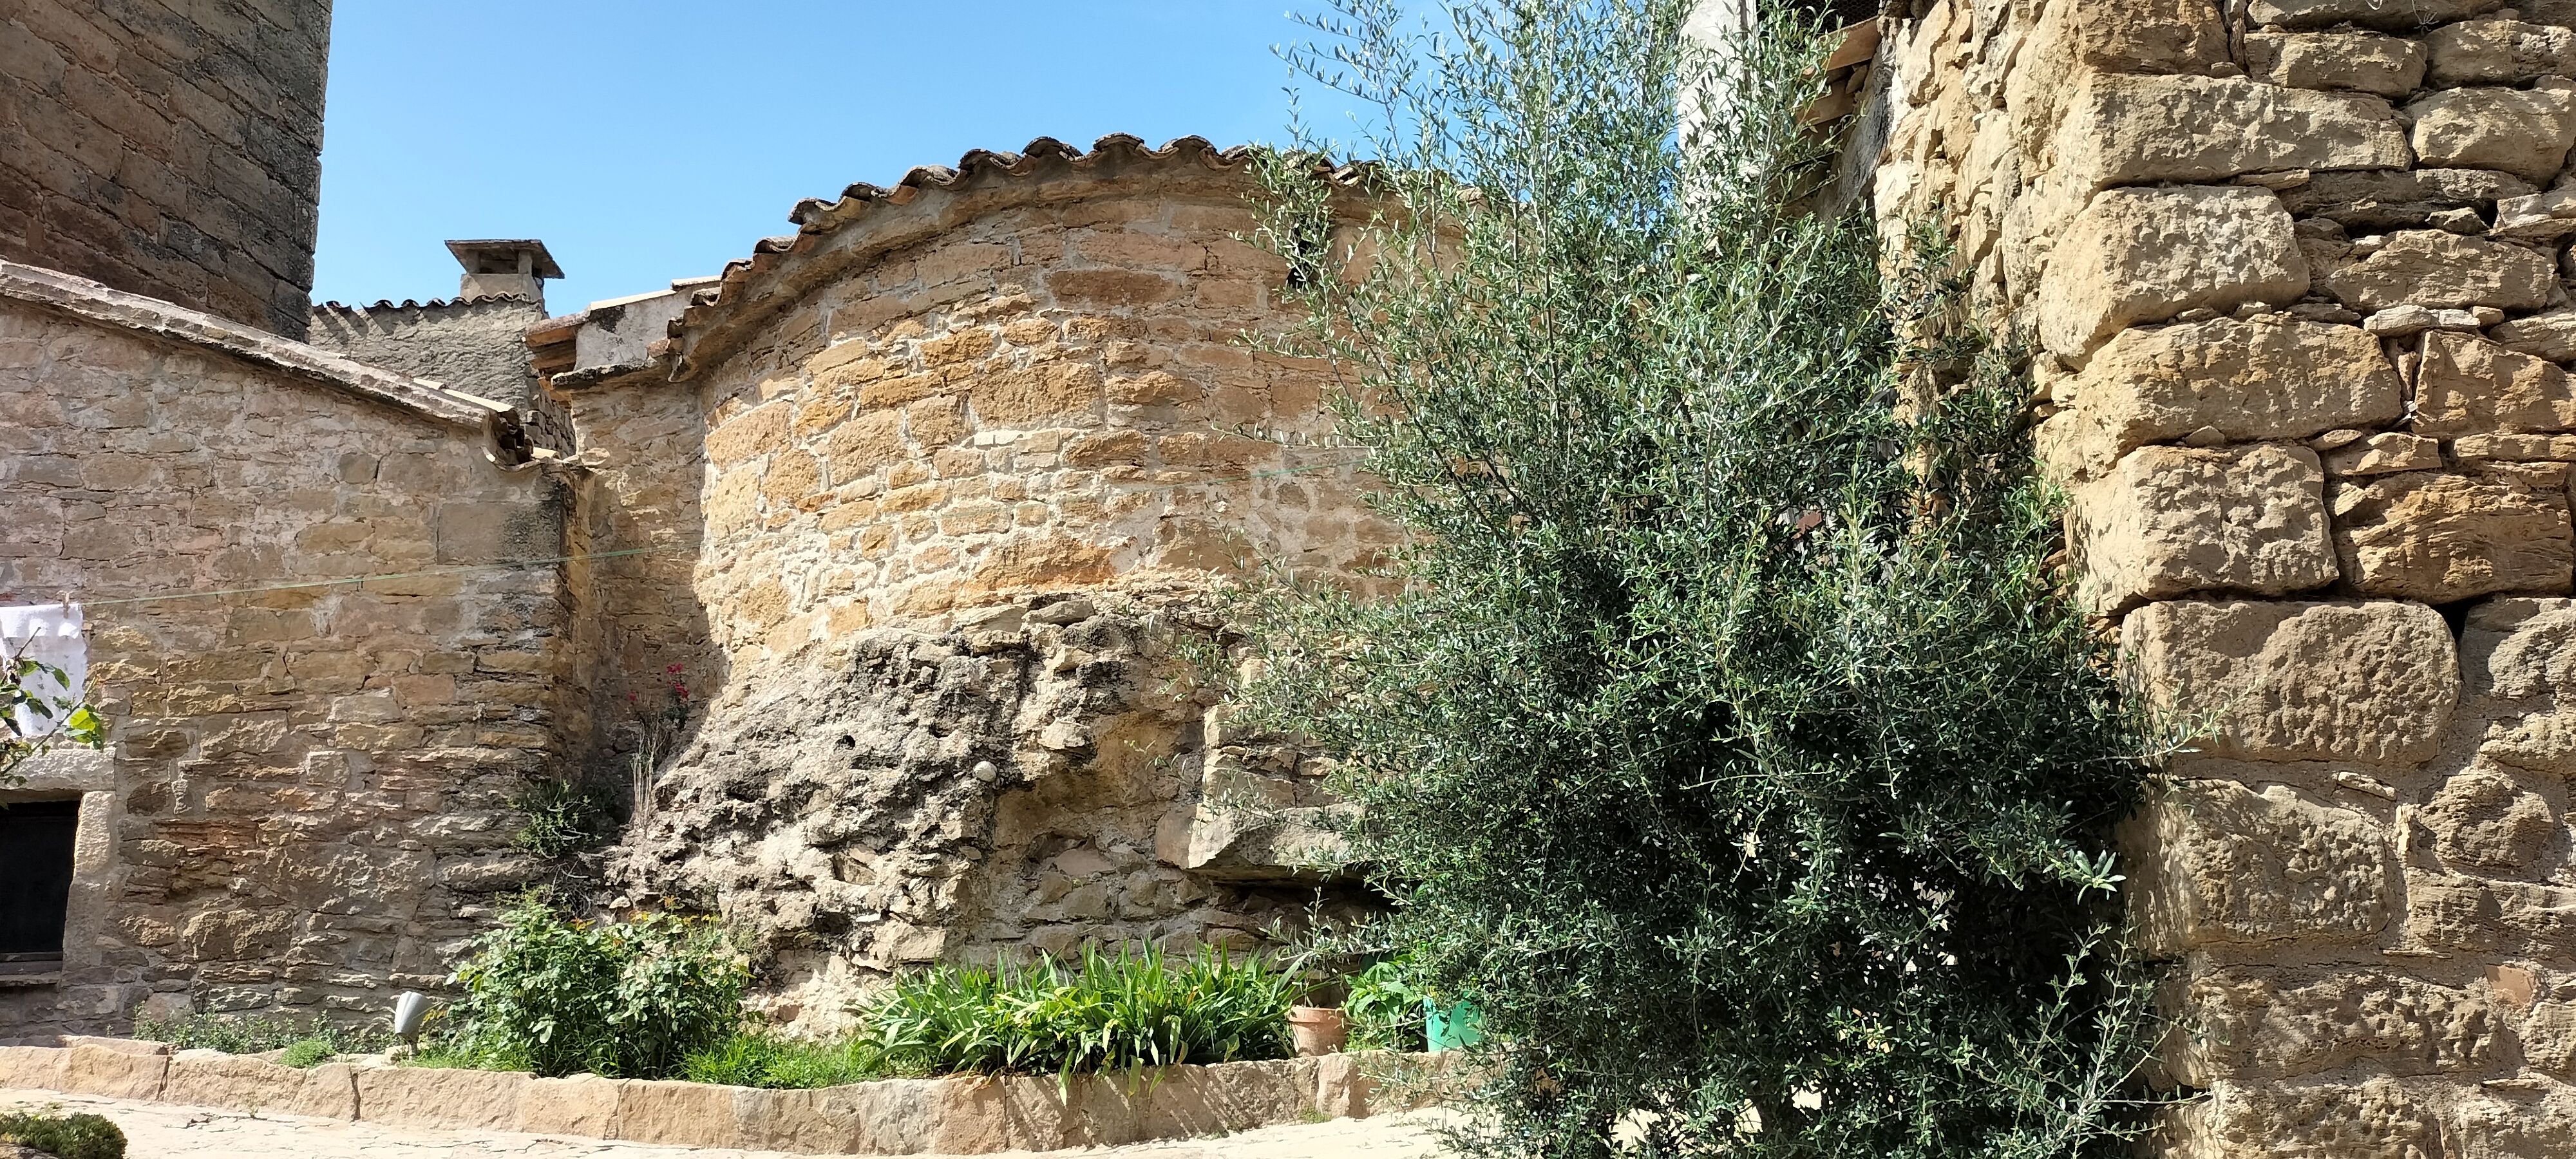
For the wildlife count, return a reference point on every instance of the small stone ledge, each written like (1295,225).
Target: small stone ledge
(961,1115)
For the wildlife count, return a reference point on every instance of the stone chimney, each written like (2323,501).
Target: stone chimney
(504,268)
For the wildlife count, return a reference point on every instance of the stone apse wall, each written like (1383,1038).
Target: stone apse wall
(2293,272)
(974,450)
(167,147)
(303,805)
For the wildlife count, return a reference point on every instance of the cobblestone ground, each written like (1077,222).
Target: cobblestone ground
(162,1131)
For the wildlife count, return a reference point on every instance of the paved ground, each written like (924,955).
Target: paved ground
(162,1131)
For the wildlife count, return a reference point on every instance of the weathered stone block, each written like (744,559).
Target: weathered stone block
(2282,681)
(2217,863)
(32,1068)
(2467,913)
(2403,14)
(2471,449)
(2484,820)
(2432,268)
(2362,61)
(2396,199)
(117,1074)
(2373,1119)
(2172,520)
(2246,380)
(2550,336)
(2143,255)
(206,1078)
(450,1099)
(2440,536)
(2500,52)
(579,1105)
(2522,132)
(2518,665)
(2385,454)
(2467,385)
(2120,130)
(2146,36)
(2255,1024)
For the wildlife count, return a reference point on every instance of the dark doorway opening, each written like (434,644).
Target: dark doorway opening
(35,883)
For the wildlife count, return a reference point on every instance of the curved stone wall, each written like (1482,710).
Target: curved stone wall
(977,449)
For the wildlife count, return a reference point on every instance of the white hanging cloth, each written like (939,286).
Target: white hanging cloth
(48,634)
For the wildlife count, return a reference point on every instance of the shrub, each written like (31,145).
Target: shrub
(1728,739)
(556,995)
(255,1034)
(64,1136)
(560,816)
(1101,1012)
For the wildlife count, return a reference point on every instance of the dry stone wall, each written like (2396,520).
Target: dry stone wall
(471,345)
(2294,276)
(975,451)
(303,805)
(167,147)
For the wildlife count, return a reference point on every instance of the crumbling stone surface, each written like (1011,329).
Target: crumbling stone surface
(1030,783)
(2399,199)
(2466,385)
(2500,52)
(2124,129)
(2258,1023)
(2405,15)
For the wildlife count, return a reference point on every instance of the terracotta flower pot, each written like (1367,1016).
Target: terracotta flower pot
(1319,1030)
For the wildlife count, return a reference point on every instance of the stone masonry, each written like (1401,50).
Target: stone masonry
(170,148)
(303,808)
(2294,275)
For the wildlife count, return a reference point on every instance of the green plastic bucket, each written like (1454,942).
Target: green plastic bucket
(1462,1024)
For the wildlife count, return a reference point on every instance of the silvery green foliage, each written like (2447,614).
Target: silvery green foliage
(1731,742)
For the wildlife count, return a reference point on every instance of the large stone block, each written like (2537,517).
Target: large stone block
(2406,15)
(2173,520)
(2282,681)
(679,1114)
(2447,912)
(2440,536)
(207,1078)
(438,1097)
(2500,52)
(2256,1024)
(2522,132)
(2146,36)
(2362,61)
(2373,1119)
(2249,381)
(580,1105)
(2217,863)
(2431,268)
(2120,130)
(2144,255)
(117,1074)
(2467,385)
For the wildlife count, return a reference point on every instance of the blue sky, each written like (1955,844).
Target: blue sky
(646,140)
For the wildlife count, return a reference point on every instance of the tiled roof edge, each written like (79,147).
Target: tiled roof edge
(83,298)
(432,304)
(712,307)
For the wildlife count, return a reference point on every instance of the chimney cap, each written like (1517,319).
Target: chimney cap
(502,256)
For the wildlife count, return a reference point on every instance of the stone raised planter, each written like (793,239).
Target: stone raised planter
(955,1116)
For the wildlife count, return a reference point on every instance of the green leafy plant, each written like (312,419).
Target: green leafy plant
(56,718)
(75,1136)
(255,1034)
(1728,738)
(558,995)
(1384,1008)
(559,816)
(1099,1012)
